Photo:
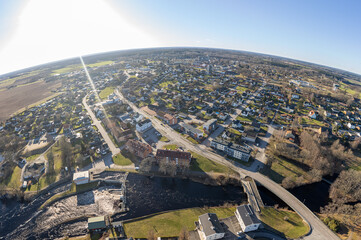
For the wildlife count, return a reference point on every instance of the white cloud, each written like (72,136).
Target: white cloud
(49,30)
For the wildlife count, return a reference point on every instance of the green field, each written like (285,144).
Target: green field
(67,69)
(106,92)
(98,64)
(13,181)
(164,139)
(309,121)
(202,164)
(241,89)
(120,160)
(170,147)
(282,169)
(170,224)
(286,222)
(74,67)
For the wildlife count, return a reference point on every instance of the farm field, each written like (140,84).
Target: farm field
(14,99)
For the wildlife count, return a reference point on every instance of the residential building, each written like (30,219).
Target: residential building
(171,120)
(81,177)
(250,136)
(144,125)
(231,149)
(190,130)
(247,218)
(209,227)
(256,126)
(179,157)
(210,125)
(138,148)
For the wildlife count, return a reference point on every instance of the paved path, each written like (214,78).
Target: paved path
(318,229)
(101,129)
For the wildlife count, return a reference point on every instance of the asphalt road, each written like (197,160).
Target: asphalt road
(101,129)
(318,230)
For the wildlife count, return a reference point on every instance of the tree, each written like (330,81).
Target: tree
(184,234)
(66,152)
(50,157)
(346,188)
(151,235)
(146,164)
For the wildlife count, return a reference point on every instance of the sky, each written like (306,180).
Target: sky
(326,32)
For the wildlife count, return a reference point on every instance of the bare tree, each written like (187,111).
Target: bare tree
(50,157)
(151,235)
(184,234)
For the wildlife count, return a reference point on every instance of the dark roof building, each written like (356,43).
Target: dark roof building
(96,223)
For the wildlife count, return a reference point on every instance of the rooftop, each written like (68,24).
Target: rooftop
(210,224)
(246,213)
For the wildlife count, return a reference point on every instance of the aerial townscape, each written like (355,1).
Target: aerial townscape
(180,143)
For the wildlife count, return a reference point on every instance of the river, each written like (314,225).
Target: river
(145,195)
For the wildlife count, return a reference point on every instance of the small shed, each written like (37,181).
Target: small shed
(97,223)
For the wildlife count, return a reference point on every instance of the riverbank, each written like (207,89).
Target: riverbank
(171,223)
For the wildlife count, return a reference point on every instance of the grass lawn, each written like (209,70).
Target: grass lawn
(106,92)
(309,121)
(170,224)
(44,181)
(244,119)
(32,157)
(67,69)
(241,89)
(234,131)
(203,164)
(282,169)
(192,140)
(13,181)
(119,159)
(164,139)
(98,64)
(286,222)
(170,147)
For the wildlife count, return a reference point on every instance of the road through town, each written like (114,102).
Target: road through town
(318,230)
(101,129)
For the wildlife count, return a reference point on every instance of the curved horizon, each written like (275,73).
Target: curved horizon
(185,47)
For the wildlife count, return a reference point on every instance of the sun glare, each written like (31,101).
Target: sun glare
(53,30)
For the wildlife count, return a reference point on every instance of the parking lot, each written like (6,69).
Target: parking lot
(151,136)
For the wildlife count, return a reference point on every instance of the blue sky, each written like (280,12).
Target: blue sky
(324,32)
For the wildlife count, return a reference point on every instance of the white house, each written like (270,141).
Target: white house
(81,177)
(247,218)
(350,126)
(144,125)
(209,227)
(295,96)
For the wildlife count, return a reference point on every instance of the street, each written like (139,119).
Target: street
(318,230)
